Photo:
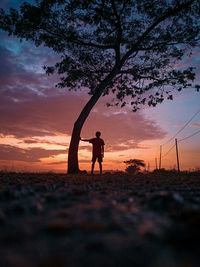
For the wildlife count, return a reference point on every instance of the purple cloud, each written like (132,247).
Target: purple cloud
(10,153)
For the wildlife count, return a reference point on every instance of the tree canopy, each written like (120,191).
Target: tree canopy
(142,42)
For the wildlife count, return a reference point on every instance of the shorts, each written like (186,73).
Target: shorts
(99,157)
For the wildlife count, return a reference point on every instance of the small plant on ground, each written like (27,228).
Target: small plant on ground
(134,165)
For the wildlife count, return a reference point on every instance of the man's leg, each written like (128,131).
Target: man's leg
(93,162)
(100,167)
(92,170)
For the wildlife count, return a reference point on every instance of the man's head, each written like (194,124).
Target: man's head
(98,134)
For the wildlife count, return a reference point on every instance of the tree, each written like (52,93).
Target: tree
(129,48)
(134,165)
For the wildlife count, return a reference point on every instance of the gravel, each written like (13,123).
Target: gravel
(49,219)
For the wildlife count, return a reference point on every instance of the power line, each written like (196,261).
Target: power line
(168,151)
(187,137)
(182,127)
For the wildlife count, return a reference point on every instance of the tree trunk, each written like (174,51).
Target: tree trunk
(73,148)
(73,166)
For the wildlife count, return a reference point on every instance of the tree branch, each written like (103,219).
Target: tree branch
(168,14)
(142,77)
(119,33)
(90,44)
(79,42)
(159,44)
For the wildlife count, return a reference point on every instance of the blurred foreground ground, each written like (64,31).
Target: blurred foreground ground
(109,220)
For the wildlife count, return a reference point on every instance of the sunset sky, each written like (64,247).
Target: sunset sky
(36,118)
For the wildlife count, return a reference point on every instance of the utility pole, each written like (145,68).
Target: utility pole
(156,163)
(178,167)
(160,157)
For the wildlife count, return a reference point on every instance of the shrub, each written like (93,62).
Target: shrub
(134,165)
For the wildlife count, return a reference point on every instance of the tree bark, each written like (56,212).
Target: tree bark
(73,166)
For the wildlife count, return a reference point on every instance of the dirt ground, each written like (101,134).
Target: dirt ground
(100,220)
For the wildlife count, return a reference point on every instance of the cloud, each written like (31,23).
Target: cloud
(10,153)
(20,70)
(197,124)
(30,141)
(57,163)
(39,115)
(122,129)
(32,107)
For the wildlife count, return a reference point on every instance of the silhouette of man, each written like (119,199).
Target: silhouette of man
(97,151)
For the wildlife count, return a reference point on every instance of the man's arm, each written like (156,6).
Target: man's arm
(84,140)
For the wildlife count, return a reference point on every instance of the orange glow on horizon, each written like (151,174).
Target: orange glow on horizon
(148,151)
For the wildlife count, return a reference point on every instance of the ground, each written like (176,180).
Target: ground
(99,220)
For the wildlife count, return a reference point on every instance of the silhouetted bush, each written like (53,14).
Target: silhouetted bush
(134,165)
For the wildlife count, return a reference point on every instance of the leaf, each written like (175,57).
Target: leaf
(170,97)
(123,104)
(197,86)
